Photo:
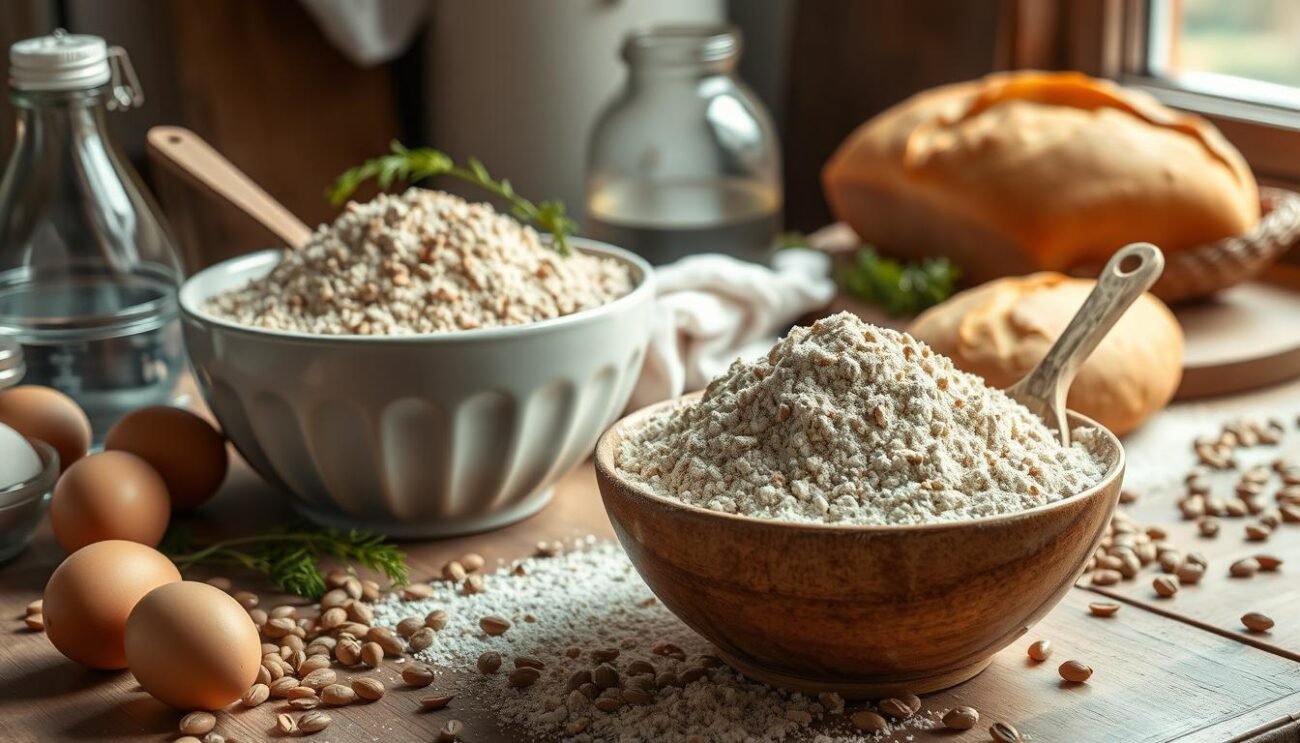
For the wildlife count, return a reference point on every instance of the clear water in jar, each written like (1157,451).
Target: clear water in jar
(110,341)
(666,220)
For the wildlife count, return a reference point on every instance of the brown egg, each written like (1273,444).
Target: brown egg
(90,595)
(193,646)
(109,495)
(185,449)
(50,416)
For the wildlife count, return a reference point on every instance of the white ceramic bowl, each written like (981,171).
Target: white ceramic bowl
(418,436)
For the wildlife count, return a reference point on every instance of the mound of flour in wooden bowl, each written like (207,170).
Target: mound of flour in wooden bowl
(422,262)
(845,422)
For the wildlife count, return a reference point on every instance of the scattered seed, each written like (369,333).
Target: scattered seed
(869,722)
(451,731)
(1106,577)
(1074,671)
(895,708)
(417,675)
(256,694)
(1209,526)
(285,723)
(912,701)
(1004,733)
(1041,650)
(1103,608)
(368,688)
(1244,568)
(35,622)
(474,584)
(198,723)
(489,662)
(1166,586)
(247,599)
(961,718)
(36,607)
(416,591)
(281,686)
(337,695)
(435,702)
(304,703)
(348,652)
(1256,622)
(494,625)
(422,639)
(1258,532)
(214,737)
(1268,563)
(384,638)
(576,727)
(319,679)
(605,655)
(473,562)
(604,677)
(1189,573)
(549,549)
(300,692)
(524,677)
(528,661)
(436,619)
(314,721)
(453,571)
(372,654)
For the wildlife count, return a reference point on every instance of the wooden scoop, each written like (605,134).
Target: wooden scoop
(1128,274)
(186,154)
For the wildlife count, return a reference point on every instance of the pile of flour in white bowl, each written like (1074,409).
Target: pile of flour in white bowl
(844,422)
(421,262)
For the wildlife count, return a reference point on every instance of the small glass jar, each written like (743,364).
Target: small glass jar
(88,269)
(685,160)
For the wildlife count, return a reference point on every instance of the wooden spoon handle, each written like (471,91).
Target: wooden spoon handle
(185,153)
(1128,274)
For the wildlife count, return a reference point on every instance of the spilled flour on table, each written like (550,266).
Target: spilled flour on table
(593,600)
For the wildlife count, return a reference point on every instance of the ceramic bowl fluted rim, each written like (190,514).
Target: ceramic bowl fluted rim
(196,290)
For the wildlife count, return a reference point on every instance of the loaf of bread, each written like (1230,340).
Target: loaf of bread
(1037,171)
(1002,329)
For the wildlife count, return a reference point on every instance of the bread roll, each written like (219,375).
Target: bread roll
(1028,171)
(1002,329)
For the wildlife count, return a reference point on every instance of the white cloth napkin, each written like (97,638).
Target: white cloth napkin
(713,309)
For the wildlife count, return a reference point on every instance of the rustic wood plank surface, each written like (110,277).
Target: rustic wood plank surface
(1159,676)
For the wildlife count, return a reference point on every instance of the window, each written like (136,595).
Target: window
(1228,48)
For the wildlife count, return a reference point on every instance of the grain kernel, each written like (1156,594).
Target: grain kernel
(1004,733)
(337,695)
(1256,622)
(489,662)
(435,702)
(1074,671)
(869,722)
(895,708)
(1165,586)
(524,677)
(961,718)
(1103,608)
(436,619)
(1244,568)
(256,694)
(198,723)
(35,622)
(417,675)
(1041,650)
(451,731)
(314,721)
(494,625)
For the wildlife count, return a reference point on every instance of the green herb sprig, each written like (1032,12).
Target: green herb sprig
(901,288)
(409,166)
(289,557)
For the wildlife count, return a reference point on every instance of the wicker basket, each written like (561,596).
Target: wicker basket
(1201,271)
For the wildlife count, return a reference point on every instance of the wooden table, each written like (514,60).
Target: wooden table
(1173,669)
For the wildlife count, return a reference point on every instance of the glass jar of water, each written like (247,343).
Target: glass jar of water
(88,270)
(685,159)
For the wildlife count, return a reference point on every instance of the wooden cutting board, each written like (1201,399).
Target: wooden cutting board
(1246,337)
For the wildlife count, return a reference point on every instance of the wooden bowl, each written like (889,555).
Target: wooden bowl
(866,611)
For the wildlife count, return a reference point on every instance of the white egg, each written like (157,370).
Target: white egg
(18,460)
